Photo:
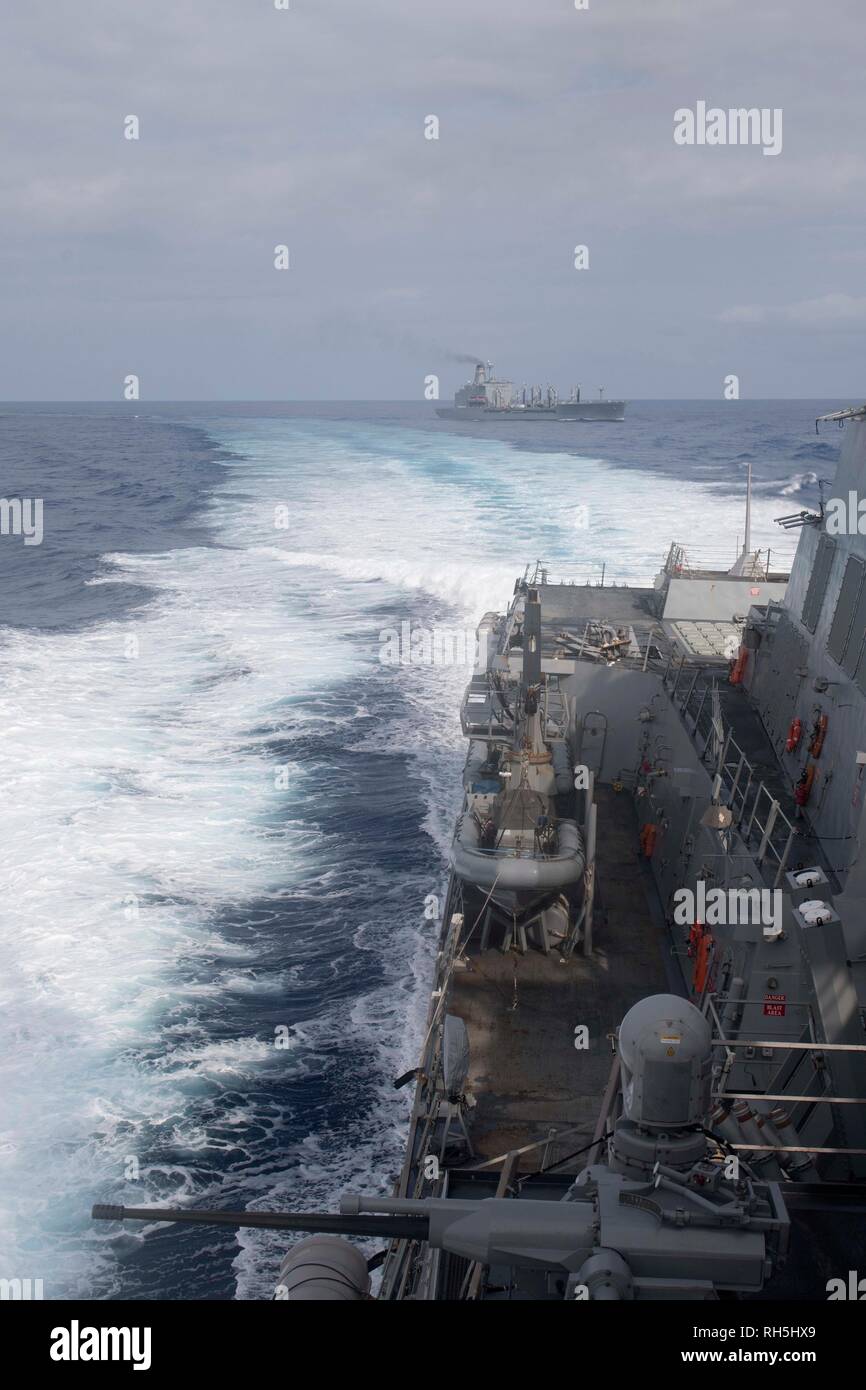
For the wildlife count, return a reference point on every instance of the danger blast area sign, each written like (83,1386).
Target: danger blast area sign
(774,1005)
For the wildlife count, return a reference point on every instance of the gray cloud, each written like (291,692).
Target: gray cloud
(829,311)
(305,127)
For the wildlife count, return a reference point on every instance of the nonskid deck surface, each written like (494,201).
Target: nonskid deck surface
(521,1011)
(571,606)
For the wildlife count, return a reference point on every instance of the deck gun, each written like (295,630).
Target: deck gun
(668,1214)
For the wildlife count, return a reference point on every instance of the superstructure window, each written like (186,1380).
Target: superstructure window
(846,605)
(818,581)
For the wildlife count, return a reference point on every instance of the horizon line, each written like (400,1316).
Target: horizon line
(383,400)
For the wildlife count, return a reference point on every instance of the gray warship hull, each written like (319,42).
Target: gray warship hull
(469,414)
(689,781)
(591,410)
(614,1100)
(488,398)
(565,410)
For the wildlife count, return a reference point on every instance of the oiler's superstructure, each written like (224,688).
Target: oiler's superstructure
(644,1069)
(489,397)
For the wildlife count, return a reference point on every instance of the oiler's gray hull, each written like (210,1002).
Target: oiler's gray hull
(568,410)
(473,414)
(591,410)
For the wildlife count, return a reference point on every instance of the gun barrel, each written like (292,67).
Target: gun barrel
(383,1227)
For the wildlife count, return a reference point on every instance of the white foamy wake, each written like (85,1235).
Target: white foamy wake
(139,809)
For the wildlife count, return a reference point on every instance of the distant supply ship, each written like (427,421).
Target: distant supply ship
(489,396)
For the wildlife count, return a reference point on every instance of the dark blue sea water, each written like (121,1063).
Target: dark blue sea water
(222,812)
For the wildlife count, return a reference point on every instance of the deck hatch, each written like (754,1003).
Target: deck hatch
(818,581)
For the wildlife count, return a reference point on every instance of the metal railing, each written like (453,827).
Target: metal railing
(681,562)
(784,1051)
(430,1098)
(756,812)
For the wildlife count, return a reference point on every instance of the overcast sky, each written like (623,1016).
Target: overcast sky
(261,127)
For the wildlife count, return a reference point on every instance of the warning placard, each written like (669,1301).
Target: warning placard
(774,1005)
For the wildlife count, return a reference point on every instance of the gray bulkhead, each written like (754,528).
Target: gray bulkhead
(810,661)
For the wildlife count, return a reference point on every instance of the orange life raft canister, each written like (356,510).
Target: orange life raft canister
(648,839)
(818,734)
(739,666)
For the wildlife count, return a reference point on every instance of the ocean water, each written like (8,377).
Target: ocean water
(222,813)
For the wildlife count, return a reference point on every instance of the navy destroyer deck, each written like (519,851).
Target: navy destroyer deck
(571,605)
(642,1072)
(521,1009)
(572,616)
